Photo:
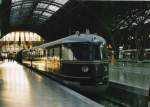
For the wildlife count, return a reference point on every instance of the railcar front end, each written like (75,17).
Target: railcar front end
(85,63)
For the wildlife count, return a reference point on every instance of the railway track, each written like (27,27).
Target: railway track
(115,96)
(100,97)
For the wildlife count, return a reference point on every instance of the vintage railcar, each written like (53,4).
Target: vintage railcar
(80,58)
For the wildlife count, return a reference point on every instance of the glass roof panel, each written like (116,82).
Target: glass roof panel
(37,12)
(47,14)
(43,10)
(43,18)
(16,4)
(53,8)
(61,1)
(27,5)
(16,7)
(13,1)
(42,5)
(147,21)
(28,1)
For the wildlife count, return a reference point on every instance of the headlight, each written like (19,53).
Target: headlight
(85,68)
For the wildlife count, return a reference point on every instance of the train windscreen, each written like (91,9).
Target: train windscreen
(82,51)
(103,52)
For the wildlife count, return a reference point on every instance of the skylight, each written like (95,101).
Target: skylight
(16,7)
(61,1)
(25,10)
(53,8)
(47,14)
(42,5)
(15,1)
(27,5)
(37,12)
(147,21)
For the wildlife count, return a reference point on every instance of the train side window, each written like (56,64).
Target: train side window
(48,52)
(38,54)
(103,52)
(41,52)
(35,53)
(52,52)
(57,51)
(96,52)
(45,53)
(67,53)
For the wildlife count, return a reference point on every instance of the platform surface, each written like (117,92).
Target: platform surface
(20,87)
(131,74)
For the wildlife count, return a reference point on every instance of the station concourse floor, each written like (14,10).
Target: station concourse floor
(20,87)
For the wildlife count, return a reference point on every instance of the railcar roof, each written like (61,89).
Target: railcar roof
(91,38)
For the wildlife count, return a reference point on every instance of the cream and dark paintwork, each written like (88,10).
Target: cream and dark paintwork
(95,71)
(85,71)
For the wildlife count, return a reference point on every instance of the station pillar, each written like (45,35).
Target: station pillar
(113,60)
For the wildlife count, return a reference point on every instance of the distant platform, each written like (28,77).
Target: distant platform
(134,61)
(131,74)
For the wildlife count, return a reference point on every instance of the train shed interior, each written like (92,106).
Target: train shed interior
(125,25)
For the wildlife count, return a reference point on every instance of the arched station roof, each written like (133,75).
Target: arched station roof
(28,14)
(33,12)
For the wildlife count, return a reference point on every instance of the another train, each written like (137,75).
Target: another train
(133,54)
(80,58)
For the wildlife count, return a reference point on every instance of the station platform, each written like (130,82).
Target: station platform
(131,74)
(21,87)
(133,79)
(134,60)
